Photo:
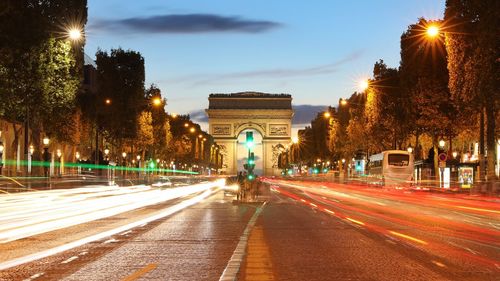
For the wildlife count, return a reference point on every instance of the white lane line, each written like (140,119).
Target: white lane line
(126,232)
(34,276)
(70,259)
(167,212)
(230,273)
(112,240)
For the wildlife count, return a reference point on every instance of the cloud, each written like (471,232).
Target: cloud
(304,113)
(279,73)
(186,23)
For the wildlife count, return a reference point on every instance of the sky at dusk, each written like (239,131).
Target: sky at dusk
(313,50)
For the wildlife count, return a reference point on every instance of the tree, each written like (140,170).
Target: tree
(424,78)
(471,32)
(39,68)
(120,101)
(145,138)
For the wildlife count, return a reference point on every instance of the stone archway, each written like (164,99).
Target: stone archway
(269,114)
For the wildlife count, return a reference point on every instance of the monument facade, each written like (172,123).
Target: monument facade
(268,114)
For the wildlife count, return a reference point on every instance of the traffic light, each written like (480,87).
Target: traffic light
(251,160)
(249,141)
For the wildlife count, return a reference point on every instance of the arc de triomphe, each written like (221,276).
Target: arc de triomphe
(269,114)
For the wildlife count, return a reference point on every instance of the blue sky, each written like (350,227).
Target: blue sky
(313,50)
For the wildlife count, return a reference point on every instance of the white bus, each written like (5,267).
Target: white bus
(391,167)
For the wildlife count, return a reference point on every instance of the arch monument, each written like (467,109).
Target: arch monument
(268,114)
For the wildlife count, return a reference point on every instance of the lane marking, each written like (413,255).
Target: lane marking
(34,276)
(408,237)
(438,264)
(112,240)
(70,259)
(140,272)
(314,205)
(330,211)
(59,249)
(355,221)
(230,273)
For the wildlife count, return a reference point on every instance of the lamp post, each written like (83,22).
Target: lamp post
(1,156)
(30,158)
(78,168)
(59,155)
(46,156)
(138,157)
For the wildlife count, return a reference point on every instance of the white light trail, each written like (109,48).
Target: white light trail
(166,212)
(24,215)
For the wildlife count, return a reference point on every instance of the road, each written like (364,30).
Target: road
(328,231)
(304,231)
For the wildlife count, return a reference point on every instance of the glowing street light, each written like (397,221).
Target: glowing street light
(295,140)
(75,34)
(124,155)
(46,141)
(410,149)
(441,143)
(343,102)
(107,101)
(432,31)
(327,114)
(192,130)
(77,155)
(32,149)
(156,101)
(363,84)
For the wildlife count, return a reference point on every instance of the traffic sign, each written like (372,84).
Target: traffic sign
(442,157)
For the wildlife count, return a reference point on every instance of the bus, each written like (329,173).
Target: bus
(391,167)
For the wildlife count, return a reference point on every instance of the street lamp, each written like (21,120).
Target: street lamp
(59,154)
(156,101)
(46,156)
(295,140)
(192,130)
(327,114)
(106,152)
(1,156)
(75,34)
(441,143)
(409,149)
(124,155)
(186,125)
(77,156)
(363,84)
(432,31)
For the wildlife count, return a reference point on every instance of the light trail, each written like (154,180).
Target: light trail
(164,213)
(408,237)
(478,209)
(355,221)
(420,213)
(39,212)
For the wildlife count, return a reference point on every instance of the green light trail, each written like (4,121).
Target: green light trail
(147,168)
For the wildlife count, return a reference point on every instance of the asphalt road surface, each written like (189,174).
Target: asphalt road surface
(305,231)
